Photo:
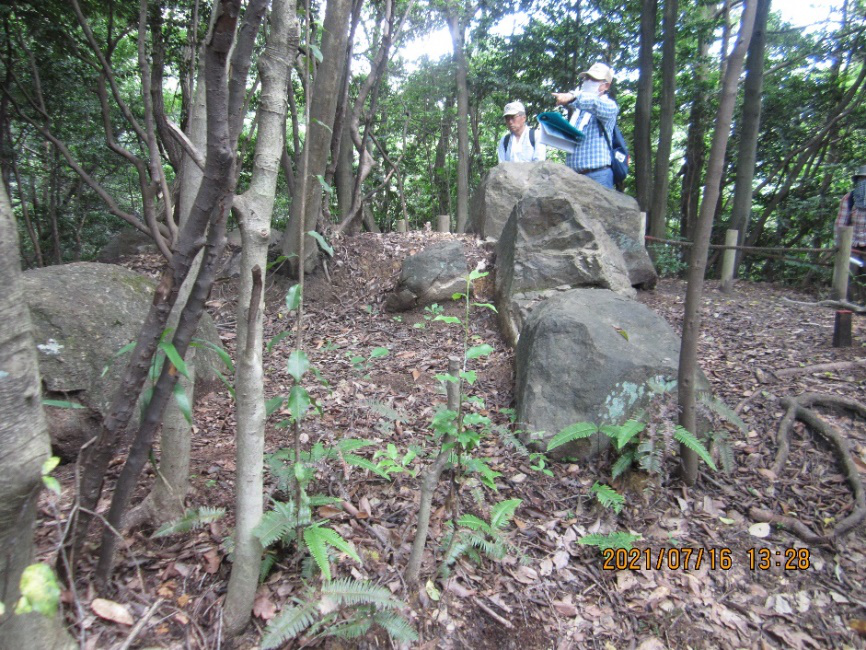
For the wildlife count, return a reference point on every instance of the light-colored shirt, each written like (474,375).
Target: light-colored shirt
(854,217)
(594,151)
(520,148)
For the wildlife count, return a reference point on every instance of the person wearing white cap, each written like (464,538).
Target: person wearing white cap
(852,212)
(594,111)
(519,144)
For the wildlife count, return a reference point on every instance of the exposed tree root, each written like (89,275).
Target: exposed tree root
(799,408)
(821,367)
(834,304)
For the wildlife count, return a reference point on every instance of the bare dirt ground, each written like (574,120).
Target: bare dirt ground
(756,348)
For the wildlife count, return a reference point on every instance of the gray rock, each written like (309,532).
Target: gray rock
(128,241)
(505,185)
(550,245)
(572,365)
(82,314)
(432,275)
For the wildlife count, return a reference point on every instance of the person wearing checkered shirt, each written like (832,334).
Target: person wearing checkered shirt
(852,212)
(591,103)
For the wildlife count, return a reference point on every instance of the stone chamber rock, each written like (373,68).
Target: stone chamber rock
(573,364)
(432,275)
(83,313)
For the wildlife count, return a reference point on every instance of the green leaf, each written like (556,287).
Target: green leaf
(192,519)
(299,402)
(576,431)
(627,432)
(684,437)
(479,351)
(62,404)
(126,348)
(298,364)
(502,512)
(613,540)
(182,401)
(486,305)
(276,524)
(447,319)
(174,357)
(347,591)
(50,464)
(39,591)
(622,464)
(52,484)
(457,296)
(289,624)
(469,376)
(317,53)
(475,274)
(279,337)
(316,537)
(273,404)
(449,378)
(319,122)
(227,383)
(474,419)
(323,243)
(608,497)
(378,353)
(223,355)
(473,523)
(321,179)
(293,297)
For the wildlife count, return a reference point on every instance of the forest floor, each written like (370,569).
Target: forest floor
(757,347)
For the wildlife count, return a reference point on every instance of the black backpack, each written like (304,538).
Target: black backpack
(619,158)
(506,140)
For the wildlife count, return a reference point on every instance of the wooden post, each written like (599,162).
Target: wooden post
(729,261)
(842,329)
(844,239)
(443,223)
(401,225)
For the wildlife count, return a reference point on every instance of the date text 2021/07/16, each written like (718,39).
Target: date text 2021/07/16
(693,559)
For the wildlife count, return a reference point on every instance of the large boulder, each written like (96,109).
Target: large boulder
(82,315)
(126,242)
(550,245)
(507,184)
(432,275)
(574,364)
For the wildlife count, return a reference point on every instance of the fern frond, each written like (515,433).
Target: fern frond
(397,627)
(722,446)
(492,548)
(364,463)
(385,411)
(473,523)
(358,625)
(572,432)
(269,559)
(613,540)
(649,455)
(347,591)
(622,464)
(502,512)
(289,624)
(353,444)
(192,519)
(511,440)
(627,432)
(277,524)
(722,410)
(608,497)
(318,549)
(686,438)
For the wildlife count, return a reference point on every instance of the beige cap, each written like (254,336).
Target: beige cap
(861,172)
(599,72)
(513,109)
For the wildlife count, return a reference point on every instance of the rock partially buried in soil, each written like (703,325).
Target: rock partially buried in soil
(433,275)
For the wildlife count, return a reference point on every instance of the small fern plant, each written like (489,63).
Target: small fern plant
(192,519)
(608,497)
(615,540)
(474,536)
(346,609)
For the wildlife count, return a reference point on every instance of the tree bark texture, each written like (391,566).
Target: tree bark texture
(457,26)
(643,106)
(703,231)
(323,107)
(24,446)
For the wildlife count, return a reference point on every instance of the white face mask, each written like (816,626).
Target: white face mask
(590,86)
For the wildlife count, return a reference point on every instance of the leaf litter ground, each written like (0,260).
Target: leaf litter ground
(757,347)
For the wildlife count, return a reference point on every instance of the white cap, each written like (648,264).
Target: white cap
(513,109)
(599,72)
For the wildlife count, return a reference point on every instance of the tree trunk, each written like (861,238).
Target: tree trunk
(440,170)
(457,26)
(323,107)
(255,207)
(750,125)
(24,446)
(694,293)
(643,106)
(657,222)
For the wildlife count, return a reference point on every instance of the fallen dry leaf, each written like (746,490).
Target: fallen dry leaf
(263,606)
(760,530)
(526,575)
(565,609)
(212,561)
(112,611)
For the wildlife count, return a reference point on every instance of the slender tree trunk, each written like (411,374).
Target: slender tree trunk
(323,107)
(24,446)
(692,311)
(255,207)
(643,106)
(457,26)
(658,212)
(751,122)
(440,169)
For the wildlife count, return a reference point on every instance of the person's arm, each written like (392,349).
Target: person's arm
(500,150)
(601,106)
(844,215)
